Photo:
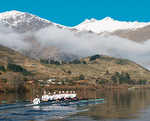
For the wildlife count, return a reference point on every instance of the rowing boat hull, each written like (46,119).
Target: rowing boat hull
(69,102)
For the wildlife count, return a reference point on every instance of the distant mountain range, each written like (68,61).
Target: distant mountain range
(24,22)
(28,26)
(136,31)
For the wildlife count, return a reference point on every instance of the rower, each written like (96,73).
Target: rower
(55,96)
(74,94)
(44,97)
(50,97)
(70,95)
(36,100)
(67,95)
(59,95)
(63,95)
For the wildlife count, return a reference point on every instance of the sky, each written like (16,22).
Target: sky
(73,12)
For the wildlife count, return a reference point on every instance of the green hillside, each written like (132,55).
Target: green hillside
(103,67)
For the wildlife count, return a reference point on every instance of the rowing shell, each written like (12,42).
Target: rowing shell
(69,102)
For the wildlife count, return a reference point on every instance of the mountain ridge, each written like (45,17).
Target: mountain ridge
(109,25)
(15,19)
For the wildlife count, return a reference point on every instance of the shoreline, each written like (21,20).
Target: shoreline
(31,88)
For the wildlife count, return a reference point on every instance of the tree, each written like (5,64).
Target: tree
(97,81)
(107,72)
(103,81)
(14,68)
(69,71)
(142,82)
(84,62)
(75,62)
(2,68)
(81,77)
(63,82)
(63,62)
(46,61)
(56,62)
(94,57)
(117,74)
(41,60)
(18,68)
(14,79)
(127,76)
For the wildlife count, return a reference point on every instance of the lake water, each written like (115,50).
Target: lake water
(118,105)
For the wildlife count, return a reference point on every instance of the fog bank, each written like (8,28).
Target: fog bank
(84,44)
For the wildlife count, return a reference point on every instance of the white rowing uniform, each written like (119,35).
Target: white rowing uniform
(74,95)
(59,96)
(36,101)
(55,97)
(45,98)
(50,97)
(67,96)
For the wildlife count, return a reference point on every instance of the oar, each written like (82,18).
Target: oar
(18,100)
(100,99)
(28,100)
(5,101)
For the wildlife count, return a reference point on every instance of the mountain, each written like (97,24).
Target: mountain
(108,25)
(23,22)
(48,40)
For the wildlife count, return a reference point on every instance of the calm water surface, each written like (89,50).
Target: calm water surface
(119,105)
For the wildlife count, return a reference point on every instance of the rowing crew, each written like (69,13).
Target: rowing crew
(58,97)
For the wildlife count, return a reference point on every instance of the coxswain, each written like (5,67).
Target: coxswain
(44,97)
(36,100)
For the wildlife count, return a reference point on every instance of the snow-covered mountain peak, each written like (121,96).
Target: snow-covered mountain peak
(107,19)
(23,22)
(89,20)
(9,14)
(108,25)
(17,15)
(93,20)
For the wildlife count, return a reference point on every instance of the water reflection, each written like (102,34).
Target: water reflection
(120,104)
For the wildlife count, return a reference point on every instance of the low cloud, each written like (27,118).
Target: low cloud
(82,44)
(11,39)
(90,44)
